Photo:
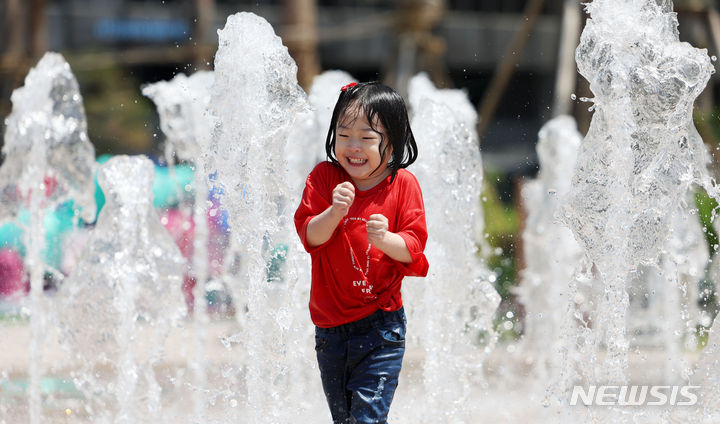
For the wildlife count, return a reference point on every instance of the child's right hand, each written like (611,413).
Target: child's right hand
(343,196)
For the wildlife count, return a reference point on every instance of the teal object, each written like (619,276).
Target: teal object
(57,224)
(172,188)
(11,237)
(99,195)
(278,257)
(48,386)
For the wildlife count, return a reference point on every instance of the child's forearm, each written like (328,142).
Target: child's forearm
(322,226)
(394,246)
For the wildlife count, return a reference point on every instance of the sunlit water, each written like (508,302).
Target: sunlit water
(451,311)
(48,159)
(627,207)
(117,307)
(545,285)
(637,166)
(182,104)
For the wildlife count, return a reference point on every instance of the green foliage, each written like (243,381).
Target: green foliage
(710,122)
(502,224)
(707,207)
(501,218)
(502,229)
(703,334)
(117,112)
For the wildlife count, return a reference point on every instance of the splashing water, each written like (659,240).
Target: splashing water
(182,104)
(46,145)
(707,377)
(48,160)
(639,160)
(421,87)
(117,307)
(256,105)
(543,288)
(452,309)
(706,374)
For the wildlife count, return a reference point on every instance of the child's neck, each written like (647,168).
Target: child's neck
(367,184)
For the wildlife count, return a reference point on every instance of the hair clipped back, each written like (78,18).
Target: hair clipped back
(377,101)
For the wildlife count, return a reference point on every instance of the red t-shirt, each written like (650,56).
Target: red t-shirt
(351,279)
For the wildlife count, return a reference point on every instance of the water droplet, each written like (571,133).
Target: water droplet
(573,96)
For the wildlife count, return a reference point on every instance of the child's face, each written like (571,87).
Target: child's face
(357,149)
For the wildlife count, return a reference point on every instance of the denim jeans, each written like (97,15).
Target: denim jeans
(360,364)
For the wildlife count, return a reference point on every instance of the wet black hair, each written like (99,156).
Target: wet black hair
(377,101)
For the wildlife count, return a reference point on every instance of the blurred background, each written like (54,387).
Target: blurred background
(514,58)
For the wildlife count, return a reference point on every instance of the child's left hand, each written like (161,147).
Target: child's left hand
(377,226)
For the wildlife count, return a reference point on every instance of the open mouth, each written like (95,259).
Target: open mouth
(356,161)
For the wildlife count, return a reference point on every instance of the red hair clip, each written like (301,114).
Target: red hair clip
(351,85)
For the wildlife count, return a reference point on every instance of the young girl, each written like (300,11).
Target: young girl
(362,220)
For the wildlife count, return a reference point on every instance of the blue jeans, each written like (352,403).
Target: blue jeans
(360,364)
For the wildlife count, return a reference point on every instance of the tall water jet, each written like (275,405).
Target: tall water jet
(421,87)
(123,297)
(256,104)
(452,309)
(688,248)
(640,158)
(545,284)
(666,316)
(182,105)
(48,160)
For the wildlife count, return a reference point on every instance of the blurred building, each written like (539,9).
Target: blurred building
(459,42)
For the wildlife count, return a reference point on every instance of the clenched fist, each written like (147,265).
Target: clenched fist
(377,227)
(343,196)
